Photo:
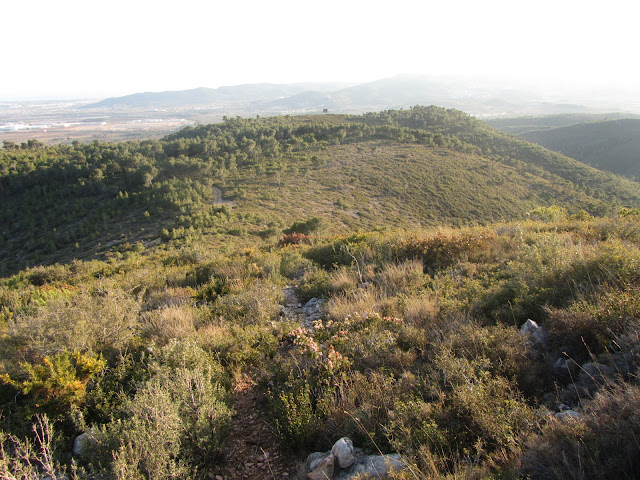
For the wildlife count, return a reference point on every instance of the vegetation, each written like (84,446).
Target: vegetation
(606,142)
(418,350)
(407,168)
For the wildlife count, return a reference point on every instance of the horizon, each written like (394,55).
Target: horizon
(120,48)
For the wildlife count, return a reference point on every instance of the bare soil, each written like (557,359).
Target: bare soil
(254,450)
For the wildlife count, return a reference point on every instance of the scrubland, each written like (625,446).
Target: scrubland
(418,351)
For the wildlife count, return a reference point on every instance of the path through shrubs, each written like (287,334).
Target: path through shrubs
(254,450)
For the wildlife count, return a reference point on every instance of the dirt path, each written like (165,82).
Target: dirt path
(217,197)
(254,450)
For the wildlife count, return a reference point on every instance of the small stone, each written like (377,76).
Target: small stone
(566,415)
(219,477)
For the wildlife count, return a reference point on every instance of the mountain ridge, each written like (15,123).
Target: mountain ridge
(479,97)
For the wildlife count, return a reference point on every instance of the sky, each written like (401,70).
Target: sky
(91,49)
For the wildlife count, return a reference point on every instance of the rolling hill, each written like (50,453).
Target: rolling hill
(422,166)
(612,145)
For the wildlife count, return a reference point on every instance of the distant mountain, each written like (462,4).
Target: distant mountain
(403,91)
(481,98)
(228,95)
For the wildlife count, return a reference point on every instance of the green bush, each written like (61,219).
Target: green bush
(176,421)
(293,265)
(57,383)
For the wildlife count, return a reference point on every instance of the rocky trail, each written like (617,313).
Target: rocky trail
(254,450)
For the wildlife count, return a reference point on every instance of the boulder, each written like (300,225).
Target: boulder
(533,331)
(593,373)
(83,442)
(343,451)
(563,367)
(566,415)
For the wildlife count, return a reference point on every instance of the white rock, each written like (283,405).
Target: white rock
(83,441)
(343,451)
(373,466)
(533,330)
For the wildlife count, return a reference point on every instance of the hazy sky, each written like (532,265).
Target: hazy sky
(55,48)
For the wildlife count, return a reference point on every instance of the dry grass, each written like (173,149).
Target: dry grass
(420,310)
(400,278)
(603,442)
(343,280)
(168,323)
(360,301)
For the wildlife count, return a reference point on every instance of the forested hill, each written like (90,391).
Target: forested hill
(402,168)
(524,125)
(612,145)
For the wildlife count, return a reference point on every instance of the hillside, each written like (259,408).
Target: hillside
(503,351)
(520,126)
(612,145)
(226,301)
(417,167)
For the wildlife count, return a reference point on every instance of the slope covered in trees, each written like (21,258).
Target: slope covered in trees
(522,125)
(422,166)
(612,145)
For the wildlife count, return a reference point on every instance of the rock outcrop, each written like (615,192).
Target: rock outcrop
(344,462)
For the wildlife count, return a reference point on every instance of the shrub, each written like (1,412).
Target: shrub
(176,421)
(483,413)
(293,265)
(27,459)
(88,321)
(444,249)
(255,305)
(294,238)
(306,227)
(602,442)
(59,382)
(314,283)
